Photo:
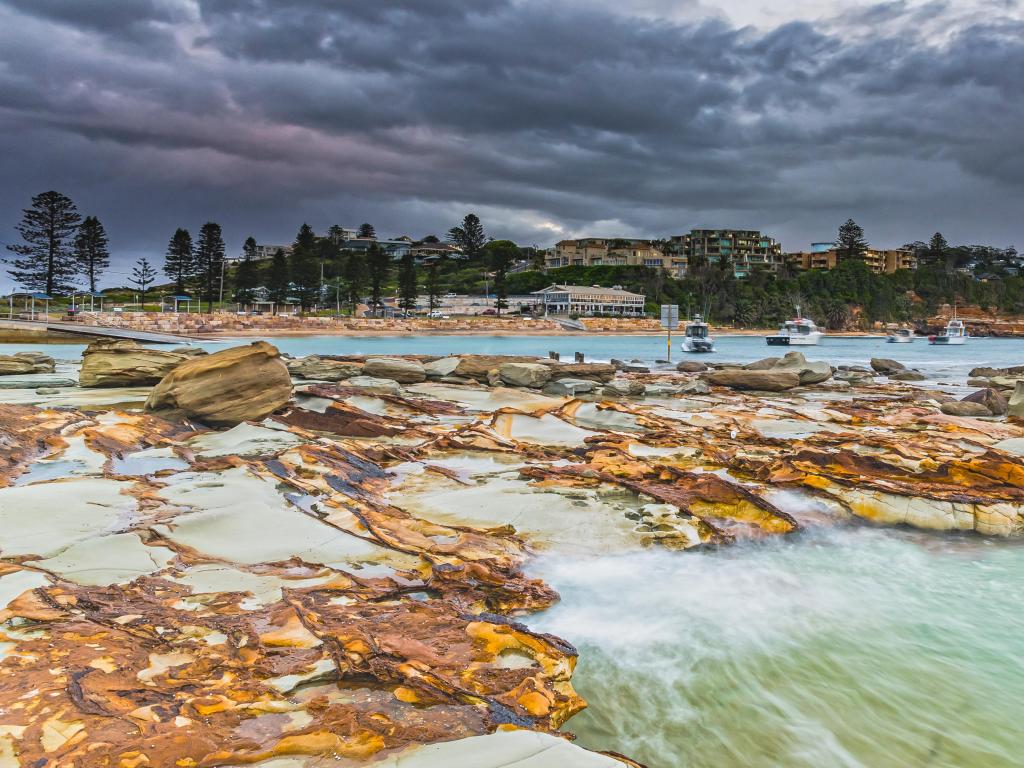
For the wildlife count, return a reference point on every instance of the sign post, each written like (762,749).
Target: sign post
(669,321)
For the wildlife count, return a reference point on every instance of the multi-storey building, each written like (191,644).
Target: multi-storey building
(826,256)
(601,251)
(745,249)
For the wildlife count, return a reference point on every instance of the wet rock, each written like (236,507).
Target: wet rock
(321,369)
(635,368)
(662,390)
(1015,371)
(623,388)
(617,364)
(810,372)
(1004,382)
(991,399)
(907,376)
(226,388)
(569,387)
(375,384)
(886,366)
(444,366)
(757,380)
(126,363)
(22,363)
(34,380)
(398,369)
(533,375)
(978,383)
(691,366)
(964,408)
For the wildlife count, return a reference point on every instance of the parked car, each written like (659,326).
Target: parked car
(489,312)
(437,315)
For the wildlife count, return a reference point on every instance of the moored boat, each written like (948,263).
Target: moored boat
(955,333)
(799,332)
(697,338)
(901,336)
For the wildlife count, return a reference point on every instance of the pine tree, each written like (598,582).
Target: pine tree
(355,278)
(209,262)
(469,236)
(433,287)
(246,275)
(305,271)
(143,276)
(378,263)
(47,262)
(367,230)
(180,260)
(407,290)
(501,254)
(939,252)
(278,281)
(851,243)
(91,251)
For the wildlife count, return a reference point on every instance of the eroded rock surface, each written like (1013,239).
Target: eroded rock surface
(22,363)
(125,363)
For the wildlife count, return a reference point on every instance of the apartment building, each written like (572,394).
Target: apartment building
(746,249)
(616,251)
(825,256)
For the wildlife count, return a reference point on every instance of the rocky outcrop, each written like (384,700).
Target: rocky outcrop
(907,376)
(226,388)
(886,367)
(623,388)
(599,372)
(478,366)
(126,363)
(323,369)
(534,375)
(992,399)
(691,366)
(965,408)
(22,363)
(443,366)
(810,372)
(764,381)
(395,368)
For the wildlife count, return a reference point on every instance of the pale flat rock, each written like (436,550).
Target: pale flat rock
(438,369)
(375,384)
(534,375)
(243,440)
(503,749)
(396,368)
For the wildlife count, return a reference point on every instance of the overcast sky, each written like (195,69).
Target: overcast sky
(550,119)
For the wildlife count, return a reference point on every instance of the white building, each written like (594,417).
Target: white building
(590,300)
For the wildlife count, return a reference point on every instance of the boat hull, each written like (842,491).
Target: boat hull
(901,339)
(701,348)
(811,340)
(946,341)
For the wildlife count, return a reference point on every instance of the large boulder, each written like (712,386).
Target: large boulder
(443,366)
(810,372)
(764,364)
(395,368)
(22,363)
(479,366)
(525,374)
(691,366)
(964,408)
(623,388)
(764,381)
(323,369)
(226,388)
(992,399)
(1015,371)
(907,376)
(887,367)
(126,363)
(854,378)
(1015,407)
(599,372)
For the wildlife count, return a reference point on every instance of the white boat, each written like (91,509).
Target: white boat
(799,332)
(698,336)
(955,333)
(901,336)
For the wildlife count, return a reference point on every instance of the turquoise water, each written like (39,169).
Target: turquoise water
(856,647)
(940,363)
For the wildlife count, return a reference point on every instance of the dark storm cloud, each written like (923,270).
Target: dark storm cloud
(550,118)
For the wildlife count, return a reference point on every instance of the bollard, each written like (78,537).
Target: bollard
(579,357)
(552,355)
